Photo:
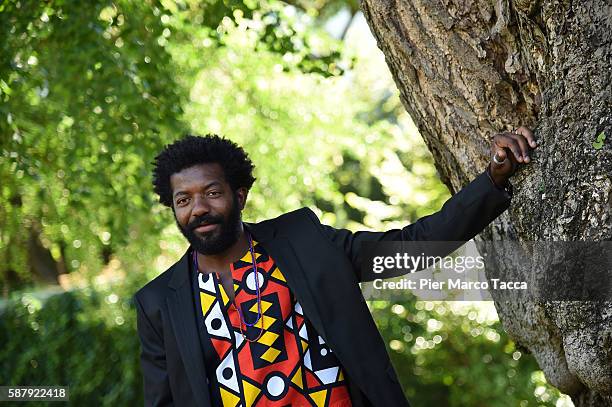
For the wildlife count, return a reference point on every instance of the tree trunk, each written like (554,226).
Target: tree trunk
(44,268)
(469,68)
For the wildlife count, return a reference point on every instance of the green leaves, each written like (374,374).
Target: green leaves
(94,90)
(456,354)
(598,143)
(77,94)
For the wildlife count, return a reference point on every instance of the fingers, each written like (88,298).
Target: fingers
(519,142)
(513,142)
(522,142)
(524,131)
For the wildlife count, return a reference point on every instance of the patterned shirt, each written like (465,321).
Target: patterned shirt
(289,364)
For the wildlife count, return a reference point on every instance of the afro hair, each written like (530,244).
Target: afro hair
(193,150)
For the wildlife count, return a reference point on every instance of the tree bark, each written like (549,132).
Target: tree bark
(469,68)
(44,268)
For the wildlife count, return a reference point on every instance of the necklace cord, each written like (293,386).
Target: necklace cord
(257,291)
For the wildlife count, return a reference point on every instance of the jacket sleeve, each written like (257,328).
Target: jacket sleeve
(152,361)
(462,217)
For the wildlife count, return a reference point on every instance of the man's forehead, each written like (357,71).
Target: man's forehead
(201,173)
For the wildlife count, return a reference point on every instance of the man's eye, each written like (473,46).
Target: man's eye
(213,193)
(180,201)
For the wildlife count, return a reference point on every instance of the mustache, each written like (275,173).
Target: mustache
(208,219)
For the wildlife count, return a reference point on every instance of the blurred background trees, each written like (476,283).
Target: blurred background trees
(89,94)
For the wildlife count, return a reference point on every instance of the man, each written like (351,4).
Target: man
(271,313)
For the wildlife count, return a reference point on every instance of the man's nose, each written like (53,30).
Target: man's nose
(200,206)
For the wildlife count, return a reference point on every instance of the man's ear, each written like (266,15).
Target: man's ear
(242,194)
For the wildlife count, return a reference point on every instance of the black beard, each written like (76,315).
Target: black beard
(216,241)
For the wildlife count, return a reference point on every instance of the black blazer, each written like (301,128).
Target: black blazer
(322,268)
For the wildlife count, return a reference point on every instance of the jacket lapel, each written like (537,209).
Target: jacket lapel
(183,319)
(282,252)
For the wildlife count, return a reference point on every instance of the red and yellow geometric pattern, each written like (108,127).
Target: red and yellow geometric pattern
(289,364)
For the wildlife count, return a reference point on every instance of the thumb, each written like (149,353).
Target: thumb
(499,157)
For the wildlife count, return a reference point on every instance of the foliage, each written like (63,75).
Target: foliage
(87,89)
(90,94)
(597,144)
(457,354)
(84,339)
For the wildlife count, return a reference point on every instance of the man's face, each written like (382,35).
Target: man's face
(206,209)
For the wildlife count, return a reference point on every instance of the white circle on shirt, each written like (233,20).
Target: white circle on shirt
(275,386)
(250,280)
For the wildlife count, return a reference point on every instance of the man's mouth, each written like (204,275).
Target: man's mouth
(206,227)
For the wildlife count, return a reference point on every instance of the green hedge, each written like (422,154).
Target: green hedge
(84,340)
